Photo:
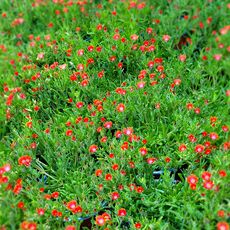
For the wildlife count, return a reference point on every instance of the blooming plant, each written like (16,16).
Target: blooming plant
(114,114)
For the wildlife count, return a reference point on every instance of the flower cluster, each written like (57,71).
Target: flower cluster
(114,114)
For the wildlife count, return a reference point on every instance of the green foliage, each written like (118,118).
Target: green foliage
(106,97)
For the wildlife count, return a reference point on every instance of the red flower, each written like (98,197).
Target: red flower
(123,40)
(204,134)
(103,119)
(103,139)
(100,74)
(213,136)
(54,213)
(78,209)
(71,205)
(137,225)
(199,148)
(111,155)
(192,186)
(5,179)
(208,185)
(149,30)
(70,227)
(182,147)
(189,106)
(100,221)
(132,187)
(225,128)
(80,67)
(84,83)
(33,145)
(133,137)
(108,124)
(192,179)
(6,167)
(47,196)
(55,195)
(79,104)
(69,132)
(120,107)
(222,173)
(166,38)
(115,195)
(80,52)
(141,84)
(197,110)
(139,189)
(118,134)
(40,211)
(20,204)
(25,160)
(36,108)
(119,65)
(59,214)
(160,68)
(177,81)
(93,148)
(131,164)
(207,144)
(158,60)
(120,91)
(90,48)
(158,105)
(98,172)
(125,146)
(108,176)
(151,160)
(128,131)
(98,48)
(134,37)
(2,171)
(213,119)
(182,57)
(50,25)
(226,145)
(99,129)
(26,225)
(106,216)
(206,176)
(120,187)
(220,213)
(47,130)
(144,141)
(207,151)
(34,135)
(143,151)
(29,124)
(222,226)
(100,186)
(217,57)
(150,64)
(123,172)
(121,212)
(167,159)
(115,166)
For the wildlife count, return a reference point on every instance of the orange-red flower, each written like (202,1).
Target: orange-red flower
(121,212)
(25,160)
(121,107)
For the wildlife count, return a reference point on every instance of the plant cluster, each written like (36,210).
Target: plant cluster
(114,114)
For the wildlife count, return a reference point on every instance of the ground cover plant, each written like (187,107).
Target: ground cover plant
(114,114)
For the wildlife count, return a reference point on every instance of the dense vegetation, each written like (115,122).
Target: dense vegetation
(114,114)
